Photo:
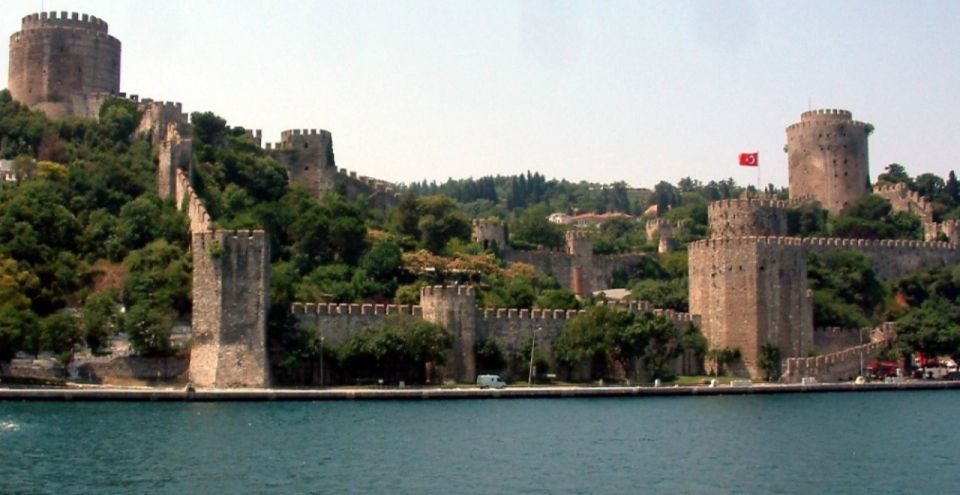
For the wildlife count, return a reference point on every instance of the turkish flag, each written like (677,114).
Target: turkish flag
(750,159)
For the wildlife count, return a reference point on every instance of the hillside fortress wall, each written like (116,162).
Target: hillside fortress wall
(576,267)
(231,276)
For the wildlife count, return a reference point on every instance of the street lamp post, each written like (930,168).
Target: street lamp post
(321,360)
(861,352)
(533,345)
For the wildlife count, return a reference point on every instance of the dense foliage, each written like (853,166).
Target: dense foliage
(610,342)
(82,211)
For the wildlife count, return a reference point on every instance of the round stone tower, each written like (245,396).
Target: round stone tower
(57,60)
(828,159)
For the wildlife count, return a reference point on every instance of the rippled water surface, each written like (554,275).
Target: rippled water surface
(890,442)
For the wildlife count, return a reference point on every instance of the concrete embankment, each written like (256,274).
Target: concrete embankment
(208,395)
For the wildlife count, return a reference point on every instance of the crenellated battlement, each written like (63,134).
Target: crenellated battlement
(447,291)
(903,199)
(821,241)
(338,309)
(237,239)
(577,235)
(529,314)
(63,19)
(801,126)
(842,364)
(658,222)
(826,114)
(175,106)
(746,203)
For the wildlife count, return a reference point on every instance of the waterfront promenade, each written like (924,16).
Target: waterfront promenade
(340,394)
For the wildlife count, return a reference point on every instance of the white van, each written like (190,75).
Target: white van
(490,381)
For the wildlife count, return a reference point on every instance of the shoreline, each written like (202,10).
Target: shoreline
(344,394)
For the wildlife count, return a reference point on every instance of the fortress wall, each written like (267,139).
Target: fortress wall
(454,308)
(338,322)
(605,265)
(948,228)
(307,155)
(107,369)
(834,339)
(200,220)
(174,154)
(892,258)
(513,328)
(230,301)
(158,116)
(843,364)
(828,158)
(556,263)
(903,199)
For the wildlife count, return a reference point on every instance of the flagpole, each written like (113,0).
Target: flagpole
(759,192)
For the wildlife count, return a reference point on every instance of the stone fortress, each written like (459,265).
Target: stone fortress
(748,281)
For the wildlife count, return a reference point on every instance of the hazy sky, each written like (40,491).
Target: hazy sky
(600,90)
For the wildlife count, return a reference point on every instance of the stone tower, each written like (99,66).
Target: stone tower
(580,249)
(56,61)
(455,308)
(750,291)
(307,154)
(490,234)
(231,298)
(747,217)
(828,159)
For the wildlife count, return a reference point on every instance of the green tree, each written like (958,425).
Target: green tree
(590,337)
(846,290)
(396,349)
(531,228)
(557,299)
(16,325)
(722,358)
(490,356)
(60,332)
(119,117)
(99,319)
(148,329)
(442,220)
(895,173)
(769,361)
(664,343)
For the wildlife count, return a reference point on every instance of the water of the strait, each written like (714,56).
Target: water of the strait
(884,442)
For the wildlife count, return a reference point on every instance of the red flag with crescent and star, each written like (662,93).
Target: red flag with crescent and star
(750,159)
